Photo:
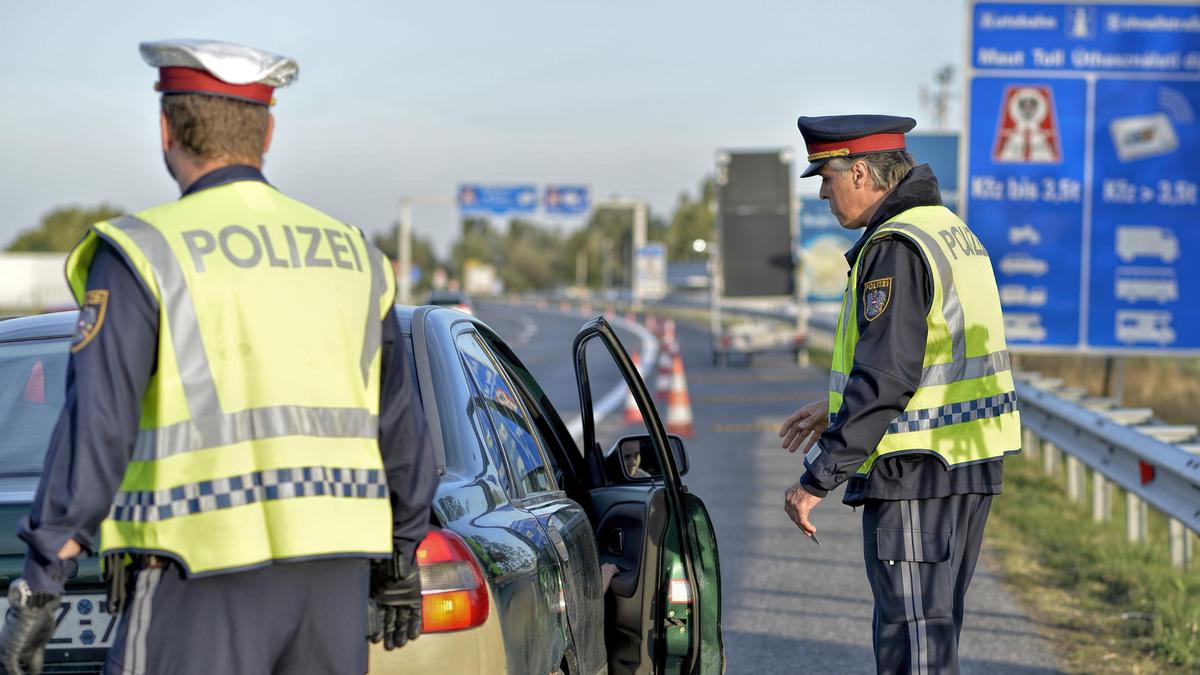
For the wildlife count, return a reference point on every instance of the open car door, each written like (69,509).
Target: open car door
(663,611)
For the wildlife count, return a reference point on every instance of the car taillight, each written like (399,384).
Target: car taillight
(726,340)
(453,593)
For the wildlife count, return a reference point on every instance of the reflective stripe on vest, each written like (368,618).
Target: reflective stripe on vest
(974,390)
(301,444)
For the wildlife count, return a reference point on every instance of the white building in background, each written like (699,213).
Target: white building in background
(34,282)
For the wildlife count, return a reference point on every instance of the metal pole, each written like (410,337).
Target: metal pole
(1032,443)
(1181,549)
(1049,458)
(1101,498)
(404,253)
(1135,517)
(639,242)
(1074,478)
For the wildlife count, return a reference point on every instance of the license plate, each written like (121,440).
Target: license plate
(83,622)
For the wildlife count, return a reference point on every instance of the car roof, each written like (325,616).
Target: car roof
(54,324)
(62,324)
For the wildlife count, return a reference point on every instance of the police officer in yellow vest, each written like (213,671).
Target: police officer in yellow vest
(921,407)
(241,426)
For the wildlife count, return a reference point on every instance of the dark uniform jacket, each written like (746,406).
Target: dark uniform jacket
(886,373)
(93,440)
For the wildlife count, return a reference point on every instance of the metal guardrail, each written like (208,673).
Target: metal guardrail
(1125,447)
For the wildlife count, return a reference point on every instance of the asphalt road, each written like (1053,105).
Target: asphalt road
(789,605)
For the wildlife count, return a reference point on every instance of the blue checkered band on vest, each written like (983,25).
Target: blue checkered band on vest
(258,486)
(954,413)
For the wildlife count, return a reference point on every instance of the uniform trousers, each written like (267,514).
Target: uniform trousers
(294,619)
(920,557)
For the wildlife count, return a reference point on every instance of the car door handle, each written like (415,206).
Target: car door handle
(559,544)
(616,541)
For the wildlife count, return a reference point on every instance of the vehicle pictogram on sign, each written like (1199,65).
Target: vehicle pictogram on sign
(1028,130)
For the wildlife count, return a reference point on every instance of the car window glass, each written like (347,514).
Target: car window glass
(477,413)
(551,443)
(33,377)
(513,426)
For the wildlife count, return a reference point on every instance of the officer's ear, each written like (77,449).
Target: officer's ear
(860,175)
(269,134)
(164,128)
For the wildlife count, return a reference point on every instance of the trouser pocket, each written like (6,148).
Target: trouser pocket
(911,577)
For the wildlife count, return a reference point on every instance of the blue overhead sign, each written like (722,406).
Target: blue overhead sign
(496,200)
(940,152)
(1081,171)
(566,200)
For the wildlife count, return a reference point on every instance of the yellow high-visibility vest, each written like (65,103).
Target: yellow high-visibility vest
(965,408)
(258,438)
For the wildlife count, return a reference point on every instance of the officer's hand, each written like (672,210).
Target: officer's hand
(798,503)
(23,640)
(802,428)
(398,595)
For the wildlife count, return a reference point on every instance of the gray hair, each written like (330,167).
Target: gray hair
(887,168)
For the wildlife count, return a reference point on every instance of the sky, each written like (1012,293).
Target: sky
(404,99)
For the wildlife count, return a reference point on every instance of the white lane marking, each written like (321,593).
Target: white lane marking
(529,329)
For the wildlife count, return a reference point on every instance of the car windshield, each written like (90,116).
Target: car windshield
(33,377)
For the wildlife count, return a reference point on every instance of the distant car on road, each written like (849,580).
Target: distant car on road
(523,518)
(452,299)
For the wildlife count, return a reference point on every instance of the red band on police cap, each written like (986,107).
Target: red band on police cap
(179,80)
(856,146)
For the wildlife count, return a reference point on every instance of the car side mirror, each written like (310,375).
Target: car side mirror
(638,462)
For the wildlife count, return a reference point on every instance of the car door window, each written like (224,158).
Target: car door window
(513,427)
(33,375)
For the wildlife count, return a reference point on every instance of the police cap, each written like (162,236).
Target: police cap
(218,69)
(850,136)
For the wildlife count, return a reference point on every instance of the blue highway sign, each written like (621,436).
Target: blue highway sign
(1081,176)
(940,152)
(823,245)
(496,200)
(566,200)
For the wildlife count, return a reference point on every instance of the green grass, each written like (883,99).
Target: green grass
(1110,605)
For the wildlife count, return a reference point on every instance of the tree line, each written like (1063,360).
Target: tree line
(527,255)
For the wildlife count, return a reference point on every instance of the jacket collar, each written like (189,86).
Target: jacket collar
(225,175)
(918,188)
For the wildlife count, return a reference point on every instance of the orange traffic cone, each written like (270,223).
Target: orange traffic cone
(669,337)
(633,414)
(564,307)
(35,386)
(679,406)
(662,381)
(630,317)
(609,314)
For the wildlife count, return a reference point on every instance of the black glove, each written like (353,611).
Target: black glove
(27,629)
(396,590)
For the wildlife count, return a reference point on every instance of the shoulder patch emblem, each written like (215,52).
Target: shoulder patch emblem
(877,293)
(91,318)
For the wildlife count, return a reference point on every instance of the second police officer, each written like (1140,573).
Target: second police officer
(240,424)
(921,407)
